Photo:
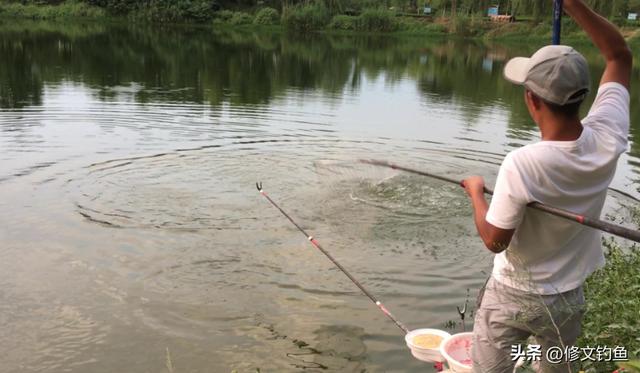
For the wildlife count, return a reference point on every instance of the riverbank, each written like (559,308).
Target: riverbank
(313,17)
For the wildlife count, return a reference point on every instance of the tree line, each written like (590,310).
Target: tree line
(533,8)
(536,9)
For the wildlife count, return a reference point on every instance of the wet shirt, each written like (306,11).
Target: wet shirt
(548,254)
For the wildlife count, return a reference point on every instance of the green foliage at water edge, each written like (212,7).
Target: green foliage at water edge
(376,20)
(174,11)
(267,16)
(468,20)
(535,9)
(612,315)
(342,22)
(306,17)
(67,9)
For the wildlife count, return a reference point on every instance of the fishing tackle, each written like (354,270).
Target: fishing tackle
(604,226)
(463,312)
(316,244)
(557,21)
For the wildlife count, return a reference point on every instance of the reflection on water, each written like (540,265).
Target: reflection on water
(131,224)
(171,65)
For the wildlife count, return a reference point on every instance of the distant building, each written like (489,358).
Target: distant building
(495,16)
(633,17)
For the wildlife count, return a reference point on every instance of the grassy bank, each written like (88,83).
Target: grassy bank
(306,17)
(613,307)
(612,315)
(67,9)
(315,16)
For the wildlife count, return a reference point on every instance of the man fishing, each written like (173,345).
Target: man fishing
(542,261)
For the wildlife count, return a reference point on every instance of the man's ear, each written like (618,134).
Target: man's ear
(534,100)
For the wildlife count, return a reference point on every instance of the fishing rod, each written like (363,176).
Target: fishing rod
(316,244)
(557,21)
(604,226)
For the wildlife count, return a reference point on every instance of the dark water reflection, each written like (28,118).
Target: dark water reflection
(250,68)
(130,224)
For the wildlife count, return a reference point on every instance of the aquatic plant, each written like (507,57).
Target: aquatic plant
(168,363)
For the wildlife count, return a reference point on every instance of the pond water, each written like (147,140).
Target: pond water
(131,230)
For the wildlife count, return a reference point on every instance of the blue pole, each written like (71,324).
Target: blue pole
(557,21)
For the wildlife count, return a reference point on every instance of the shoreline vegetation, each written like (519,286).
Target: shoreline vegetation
(310,16)
(612,307)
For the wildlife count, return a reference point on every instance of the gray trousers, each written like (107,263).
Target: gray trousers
(507,317)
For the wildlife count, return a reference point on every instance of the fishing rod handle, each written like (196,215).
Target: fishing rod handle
(485,190)
(604,226)
(617,230)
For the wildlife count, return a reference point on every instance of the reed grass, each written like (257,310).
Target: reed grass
(306,17)
(168,362)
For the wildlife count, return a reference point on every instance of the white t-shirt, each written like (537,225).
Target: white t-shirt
(548,254)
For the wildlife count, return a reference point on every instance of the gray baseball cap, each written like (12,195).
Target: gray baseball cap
(557,73)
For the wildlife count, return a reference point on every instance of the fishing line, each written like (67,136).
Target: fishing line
(317,245)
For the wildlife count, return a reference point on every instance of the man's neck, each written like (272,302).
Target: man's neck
(556,129)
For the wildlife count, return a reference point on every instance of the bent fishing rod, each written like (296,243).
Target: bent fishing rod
(316,244)
(604,226)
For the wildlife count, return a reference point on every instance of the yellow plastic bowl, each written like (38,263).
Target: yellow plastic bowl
(430,355)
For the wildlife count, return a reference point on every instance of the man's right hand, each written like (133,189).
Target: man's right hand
(607,38)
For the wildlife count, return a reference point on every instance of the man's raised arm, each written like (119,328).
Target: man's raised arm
(607,38)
